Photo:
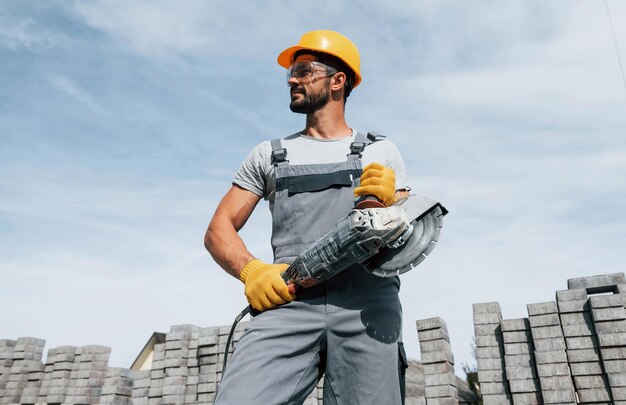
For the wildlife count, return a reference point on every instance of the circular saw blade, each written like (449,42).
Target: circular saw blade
(392,262)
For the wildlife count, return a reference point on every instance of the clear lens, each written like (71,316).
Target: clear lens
(307,69)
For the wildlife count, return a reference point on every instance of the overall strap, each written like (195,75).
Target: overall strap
(360,142)
(279,154)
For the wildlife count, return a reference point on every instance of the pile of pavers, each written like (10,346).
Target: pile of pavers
(186,369)
(572,351)
(117,388)
(569,351)
(21,362)
(490,354)
(607,315)
(437,362)
(519,360)
(551,359)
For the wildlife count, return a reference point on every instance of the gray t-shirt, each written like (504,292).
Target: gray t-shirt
(256,173)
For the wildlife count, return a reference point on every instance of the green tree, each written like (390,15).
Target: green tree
(471,376)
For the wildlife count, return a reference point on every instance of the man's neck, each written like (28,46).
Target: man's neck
(327,123)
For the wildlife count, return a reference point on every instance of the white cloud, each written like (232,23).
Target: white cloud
(19,32)
(78,93)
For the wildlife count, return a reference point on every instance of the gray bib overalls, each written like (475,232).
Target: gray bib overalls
(347,328)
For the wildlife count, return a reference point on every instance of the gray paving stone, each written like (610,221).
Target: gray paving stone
(597,284)
(513,325)
(436,357)
(617,379)
(527,398)
(614,366)
(611,327)
(547,332)
(489,388)
(606,301)
(440,391)
(497,400)
(513,337)
(518,348)
(612,339)
(613,353)
(553,370)
(551,357)
(581,342)
(489,352)
(545,320)
(608,314)
(542,308)
(520,373)
(430,323)
(489,318)
(592,368)
(491,376)
(583,355)
(435,345)
(487,329)
(560,397)
(593,395)
(437,368)
(590,381)
(549,344)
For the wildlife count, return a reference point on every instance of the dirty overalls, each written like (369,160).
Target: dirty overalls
(348,327)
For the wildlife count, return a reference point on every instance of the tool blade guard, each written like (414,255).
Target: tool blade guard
(386,241)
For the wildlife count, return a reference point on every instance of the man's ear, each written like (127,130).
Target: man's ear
(338,81)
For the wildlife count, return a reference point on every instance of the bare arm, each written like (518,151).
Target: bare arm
(221,238)
(400,194)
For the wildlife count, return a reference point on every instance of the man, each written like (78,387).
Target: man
(348,327)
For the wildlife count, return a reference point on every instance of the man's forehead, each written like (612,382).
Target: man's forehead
(305,56)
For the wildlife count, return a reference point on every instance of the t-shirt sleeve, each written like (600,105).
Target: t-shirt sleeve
(251,175)
(396,162)
(386,153)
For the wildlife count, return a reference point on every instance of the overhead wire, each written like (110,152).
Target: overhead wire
(619,59)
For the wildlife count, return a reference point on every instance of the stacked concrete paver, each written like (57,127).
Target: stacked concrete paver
(572,351)
(157,374)
(57,371)
(25,367)
(519,362)
(6,360)
(606,313)
(141,387)
(578,343)
(550,356)
(88,373)
(437,362)
(490,354)
(117,388)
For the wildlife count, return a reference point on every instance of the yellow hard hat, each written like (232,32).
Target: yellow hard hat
(326,41)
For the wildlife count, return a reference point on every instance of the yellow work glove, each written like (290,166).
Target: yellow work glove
(264,285)
(378,181)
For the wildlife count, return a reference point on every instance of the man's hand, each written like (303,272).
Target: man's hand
(264,285)
(379,181)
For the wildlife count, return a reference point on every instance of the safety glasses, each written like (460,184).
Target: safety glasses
(309,70)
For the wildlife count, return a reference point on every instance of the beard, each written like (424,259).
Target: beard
(310,103)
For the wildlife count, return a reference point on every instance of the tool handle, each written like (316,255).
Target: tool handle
(290,283)
(368,201)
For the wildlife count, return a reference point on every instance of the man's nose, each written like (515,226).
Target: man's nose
(292,81)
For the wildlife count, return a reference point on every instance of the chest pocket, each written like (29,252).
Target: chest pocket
(343,177)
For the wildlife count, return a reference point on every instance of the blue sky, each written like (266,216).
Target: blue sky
(122,124)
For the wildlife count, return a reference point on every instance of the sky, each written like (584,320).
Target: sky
(122,124)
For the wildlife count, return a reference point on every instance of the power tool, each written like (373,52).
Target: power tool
(386,241)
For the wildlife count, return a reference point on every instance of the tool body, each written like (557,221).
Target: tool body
(387,241)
